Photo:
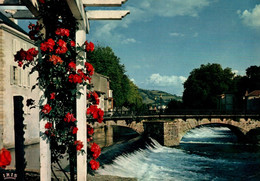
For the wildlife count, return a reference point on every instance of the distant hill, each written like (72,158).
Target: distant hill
(153,97)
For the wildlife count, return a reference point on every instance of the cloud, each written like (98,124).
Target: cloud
(195,34)
(129,40)
(163,80)
(146,10)
(176,34)
(171,8)
(237,72)
(251,18)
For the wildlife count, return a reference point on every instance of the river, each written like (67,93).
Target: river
(205,153)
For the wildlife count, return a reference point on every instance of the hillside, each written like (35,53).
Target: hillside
(153,97)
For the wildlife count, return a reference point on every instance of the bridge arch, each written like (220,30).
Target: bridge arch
(241,137)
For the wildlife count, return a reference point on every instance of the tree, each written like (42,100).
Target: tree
(174,105)
(249,82)
(205,84)
(253,75)
(105,62)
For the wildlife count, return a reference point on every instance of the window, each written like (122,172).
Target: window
(15,76)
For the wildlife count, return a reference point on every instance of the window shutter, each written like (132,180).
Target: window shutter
(19,77)
(11,75)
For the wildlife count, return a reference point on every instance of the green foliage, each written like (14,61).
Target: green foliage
(105,62)
(205,84)
(249,82)
(174,105)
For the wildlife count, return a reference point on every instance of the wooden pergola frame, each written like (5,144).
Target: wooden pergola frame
(28,9)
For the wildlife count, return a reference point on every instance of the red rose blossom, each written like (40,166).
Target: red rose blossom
(75,130)
(89,46)
(55,59)
(89,68)
(72,65)
(75,78)
(42,1)
(5,158)
(72,43)
(96,150)
(79,145)
(69,118)
(48,125)
(94,164)
(62,32)
(46,109)
(52,95)
(62,47)
(90,130)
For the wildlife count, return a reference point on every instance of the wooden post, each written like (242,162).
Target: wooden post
(81,112)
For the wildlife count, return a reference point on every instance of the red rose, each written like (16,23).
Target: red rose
(30,54)
(33,52)
(20,63)
(89,68)
(48,125)
(62,47)
(44,47)
(48,45)
(75,78)
(79,145)
(69,118)
(89,46)
(93,96)
(72,65)
(72,43)
(67,32)
(46,109)
(55,59)
(52,95)
(42,1)
(5,158)
(75,130)
(62,32)
(94,164)
(91,109)
(96,150)
(90,130)
(81,74)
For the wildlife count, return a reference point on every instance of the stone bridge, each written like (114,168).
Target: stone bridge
(168,130)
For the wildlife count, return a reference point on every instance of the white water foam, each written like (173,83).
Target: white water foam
(158,163)
(207,132)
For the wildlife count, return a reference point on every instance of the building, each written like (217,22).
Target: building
(102,87)
(253,101)
(226,102)
(15,81)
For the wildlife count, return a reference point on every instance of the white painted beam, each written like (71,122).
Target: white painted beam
(107,14)
(78,12)
(32,5)
(106,3)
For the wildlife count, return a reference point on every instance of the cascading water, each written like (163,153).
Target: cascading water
(205,153)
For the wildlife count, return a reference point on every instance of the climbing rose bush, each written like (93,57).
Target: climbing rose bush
(55,62)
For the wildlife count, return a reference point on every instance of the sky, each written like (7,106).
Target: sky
(161,41)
